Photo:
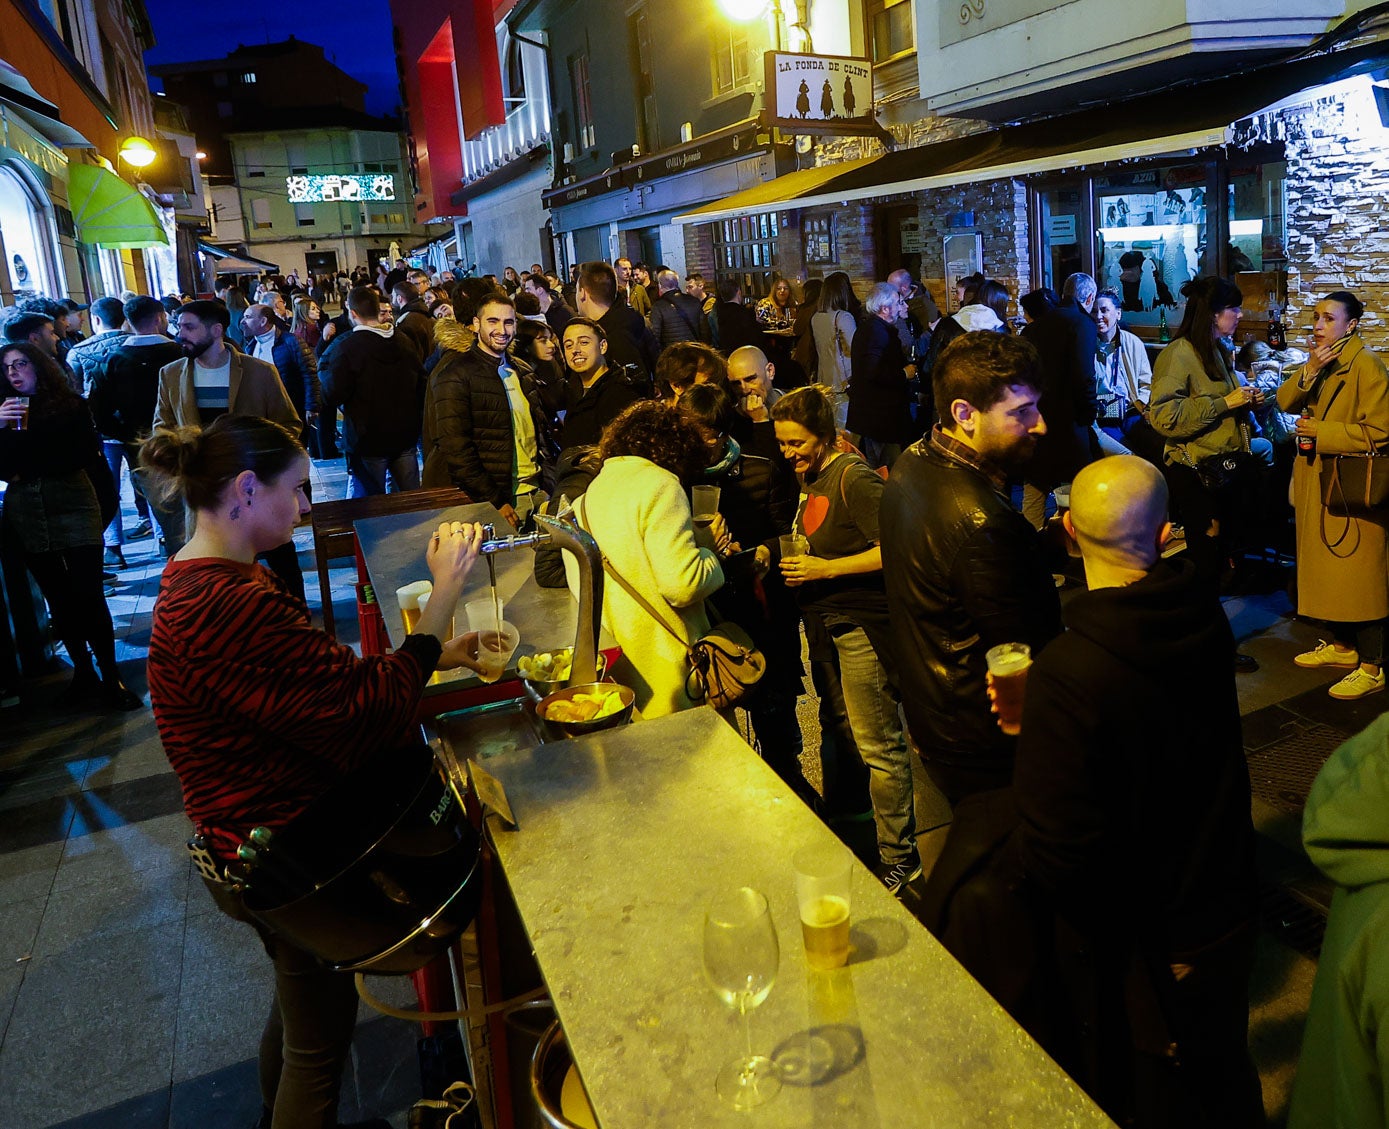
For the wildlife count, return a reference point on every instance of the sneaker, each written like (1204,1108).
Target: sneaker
(1245,664)
(1357,684)
(140,532)
(899,874)
(111,557)
(1326,654)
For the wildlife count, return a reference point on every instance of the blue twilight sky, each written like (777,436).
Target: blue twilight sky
(355,34)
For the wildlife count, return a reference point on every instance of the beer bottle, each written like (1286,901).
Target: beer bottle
(1306,445)
(1164,335)
(1277,332)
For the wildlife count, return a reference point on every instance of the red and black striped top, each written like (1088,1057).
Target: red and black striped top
(258,710)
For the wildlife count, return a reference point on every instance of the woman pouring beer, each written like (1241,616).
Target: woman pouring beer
(260,713)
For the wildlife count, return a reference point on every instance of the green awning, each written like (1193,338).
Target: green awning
(110,213)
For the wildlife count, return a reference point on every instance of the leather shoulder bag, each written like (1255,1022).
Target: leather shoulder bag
(724,665)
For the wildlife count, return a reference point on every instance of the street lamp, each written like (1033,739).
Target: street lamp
(743,10)
(138,152)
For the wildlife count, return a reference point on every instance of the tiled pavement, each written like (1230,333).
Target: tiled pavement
(126,999)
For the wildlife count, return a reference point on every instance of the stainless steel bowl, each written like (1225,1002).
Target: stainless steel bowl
(537,689)
(579,728)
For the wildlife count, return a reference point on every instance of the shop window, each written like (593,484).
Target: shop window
(1256,256)
(28,237)
(249,78)
(817,233)
(731,66)
(745,249)
(890,28)
(1152,237)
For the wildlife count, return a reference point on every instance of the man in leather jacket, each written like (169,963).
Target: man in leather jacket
(964,569)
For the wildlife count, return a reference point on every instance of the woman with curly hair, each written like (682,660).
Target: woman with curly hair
(638,511)
(47,440)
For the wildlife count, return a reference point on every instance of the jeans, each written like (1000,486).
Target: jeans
(117,452)
(878,453)
(872,701)
(366,474)
(308,1032)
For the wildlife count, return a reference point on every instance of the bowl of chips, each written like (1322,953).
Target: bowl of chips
(544,673)
(577,710)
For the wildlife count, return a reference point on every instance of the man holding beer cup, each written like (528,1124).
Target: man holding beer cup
(1134,840)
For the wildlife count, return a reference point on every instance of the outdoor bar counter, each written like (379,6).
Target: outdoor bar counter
(624,836)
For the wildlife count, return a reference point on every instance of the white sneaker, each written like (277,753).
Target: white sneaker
(1357,684)
(1326,654)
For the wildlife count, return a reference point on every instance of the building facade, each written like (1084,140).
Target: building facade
(317,199)
(72,92)
(1161,143)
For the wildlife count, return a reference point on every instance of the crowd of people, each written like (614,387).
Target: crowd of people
(903,489)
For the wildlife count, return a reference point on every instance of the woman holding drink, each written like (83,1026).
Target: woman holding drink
(1342,395)
(47,440)
(839,586)
(260,713)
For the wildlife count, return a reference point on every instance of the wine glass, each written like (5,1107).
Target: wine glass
(740,961)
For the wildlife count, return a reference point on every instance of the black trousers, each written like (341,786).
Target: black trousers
(70,580)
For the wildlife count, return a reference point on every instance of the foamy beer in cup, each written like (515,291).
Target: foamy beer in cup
(408,597)
(1008,664)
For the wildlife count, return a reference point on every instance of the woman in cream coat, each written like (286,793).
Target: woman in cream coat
(638,512)
(1342,563)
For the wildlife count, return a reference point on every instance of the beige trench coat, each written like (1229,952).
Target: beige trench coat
(1350,583)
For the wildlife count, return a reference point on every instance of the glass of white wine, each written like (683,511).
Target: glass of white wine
(740,962)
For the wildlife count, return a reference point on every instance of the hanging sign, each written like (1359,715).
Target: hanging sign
(814,94)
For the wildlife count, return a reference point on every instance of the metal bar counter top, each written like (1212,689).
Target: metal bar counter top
(623,838)
(393,547)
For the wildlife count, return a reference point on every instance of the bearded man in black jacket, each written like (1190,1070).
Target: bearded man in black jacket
(485,429)
(964,569)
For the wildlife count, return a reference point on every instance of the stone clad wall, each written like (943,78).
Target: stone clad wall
(1338,229)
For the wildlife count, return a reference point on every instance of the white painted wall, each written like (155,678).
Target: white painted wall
(1087,39)
(506,223)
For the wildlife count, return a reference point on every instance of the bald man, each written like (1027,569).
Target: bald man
(1134,829)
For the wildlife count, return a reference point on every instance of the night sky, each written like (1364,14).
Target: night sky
(355,34)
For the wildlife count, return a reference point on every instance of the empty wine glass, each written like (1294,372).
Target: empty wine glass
(740,961)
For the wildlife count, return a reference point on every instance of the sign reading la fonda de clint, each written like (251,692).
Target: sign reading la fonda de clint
(816,94)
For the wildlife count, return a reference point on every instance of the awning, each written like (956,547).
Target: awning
(35,112)
(1170,122)
(995,155)
(108,212)
(228,261)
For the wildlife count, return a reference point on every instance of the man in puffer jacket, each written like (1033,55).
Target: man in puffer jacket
(485,429)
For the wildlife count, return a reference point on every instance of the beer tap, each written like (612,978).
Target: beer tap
(580,544)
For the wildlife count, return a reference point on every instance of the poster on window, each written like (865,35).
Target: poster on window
(814,94)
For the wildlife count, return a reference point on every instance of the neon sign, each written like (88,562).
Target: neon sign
(340,186)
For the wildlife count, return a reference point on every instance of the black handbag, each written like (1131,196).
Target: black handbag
(1355,485)
(1227,470)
